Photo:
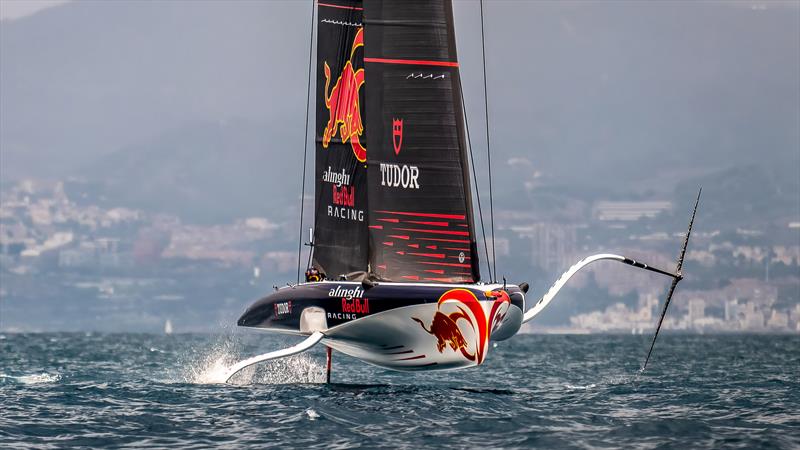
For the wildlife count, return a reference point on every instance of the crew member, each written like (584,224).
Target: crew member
(313,274)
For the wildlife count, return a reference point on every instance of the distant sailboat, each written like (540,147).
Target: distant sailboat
(168,327)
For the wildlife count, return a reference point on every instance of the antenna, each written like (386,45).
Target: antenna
(677,277)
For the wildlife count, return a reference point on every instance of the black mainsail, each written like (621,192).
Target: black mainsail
(409,217)
(340,231)
(420,213)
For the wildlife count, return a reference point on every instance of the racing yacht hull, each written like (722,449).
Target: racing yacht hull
(400,326)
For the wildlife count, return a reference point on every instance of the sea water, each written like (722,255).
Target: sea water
(140,390)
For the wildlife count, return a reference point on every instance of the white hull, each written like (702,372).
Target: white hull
(395,340)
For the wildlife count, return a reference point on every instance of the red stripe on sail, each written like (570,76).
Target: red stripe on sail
(436,271)
(445,264)
(418,230)
(389,243)
(390,220)
(429,255)
(416,62)
(458,249)
(397,236)
(376,227)
(411,277)
(432,215)
(413,245)
(431,247)
(355,8)
(457,241)
(401,253)
(432,224)
(382,266)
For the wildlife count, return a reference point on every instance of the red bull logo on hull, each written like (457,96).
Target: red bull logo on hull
(468,315)
(344,105)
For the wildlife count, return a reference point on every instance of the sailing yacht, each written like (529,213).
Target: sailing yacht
(394,237)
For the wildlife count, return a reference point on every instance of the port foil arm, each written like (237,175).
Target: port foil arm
(548,297)
(299,348)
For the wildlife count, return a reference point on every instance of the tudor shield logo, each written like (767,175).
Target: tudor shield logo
(397,135)
(399,175)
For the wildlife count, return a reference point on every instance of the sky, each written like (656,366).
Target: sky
(592,91)
(15,9)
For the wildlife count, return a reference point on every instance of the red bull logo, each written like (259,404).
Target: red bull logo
(447,328)
(346,196)
(343,104)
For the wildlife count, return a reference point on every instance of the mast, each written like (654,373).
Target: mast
(340,231)
(421,224)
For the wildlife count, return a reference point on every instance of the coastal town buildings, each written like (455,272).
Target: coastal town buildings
(735,283)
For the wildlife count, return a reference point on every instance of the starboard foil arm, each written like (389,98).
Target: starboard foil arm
(299,348)
(548,297)
(677,276)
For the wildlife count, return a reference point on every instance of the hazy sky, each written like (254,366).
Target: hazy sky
(14,9)
(592,91)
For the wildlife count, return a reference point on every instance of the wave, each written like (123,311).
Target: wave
(211,365)
(38,378)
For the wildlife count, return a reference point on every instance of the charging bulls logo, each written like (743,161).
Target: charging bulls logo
(343,104)
(445,328)
(469,314)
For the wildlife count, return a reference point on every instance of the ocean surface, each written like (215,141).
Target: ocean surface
(140,390)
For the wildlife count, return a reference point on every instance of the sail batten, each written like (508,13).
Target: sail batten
(412,62)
